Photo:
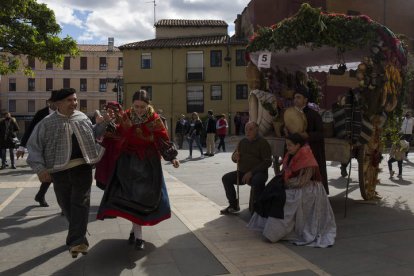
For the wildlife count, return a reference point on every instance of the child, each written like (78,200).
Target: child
(397,153)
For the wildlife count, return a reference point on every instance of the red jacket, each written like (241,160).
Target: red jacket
(222,126)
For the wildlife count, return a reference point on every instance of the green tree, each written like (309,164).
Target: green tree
(30,28)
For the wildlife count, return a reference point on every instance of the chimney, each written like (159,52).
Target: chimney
(110,44)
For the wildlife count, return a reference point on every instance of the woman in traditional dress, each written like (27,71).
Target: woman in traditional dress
(306,217)
(131,167)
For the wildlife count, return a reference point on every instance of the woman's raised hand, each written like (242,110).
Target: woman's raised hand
(175,163)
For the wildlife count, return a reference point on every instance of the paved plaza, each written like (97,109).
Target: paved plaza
(375,238)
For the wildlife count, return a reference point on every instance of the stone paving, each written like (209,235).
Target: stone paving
(375,238)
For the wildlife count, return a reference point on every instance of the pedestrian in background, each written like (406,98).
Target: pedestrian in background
(193,134)
(397,154)
(407,129)
(40,115)
(160,113)
(243,121)
(181,128)
(222,127)
(136,187)
(237,123)
(62,149)
(211,133)
(8,137)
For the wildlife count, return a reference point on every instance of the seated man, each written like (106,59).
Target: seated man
(253,155)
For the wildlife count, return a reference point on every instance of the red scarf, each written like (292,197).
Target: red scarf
(140,139)
(302,159)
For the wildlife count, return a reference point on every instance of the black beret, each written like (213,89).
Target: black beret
(302,90)
(62,93)
(53,95)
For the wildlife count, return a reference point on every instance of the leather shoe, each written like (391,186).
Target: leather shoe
(230,210)
(139,244)
(131,238)
(41,200)
(13,167)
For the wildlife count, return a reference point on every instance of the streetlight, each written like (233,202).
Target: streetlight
(117,88)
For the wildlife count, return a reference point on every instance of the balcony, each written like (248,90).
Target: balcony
(195,74)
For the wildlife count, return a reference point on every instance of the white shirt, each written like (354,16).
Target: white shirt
(407,125)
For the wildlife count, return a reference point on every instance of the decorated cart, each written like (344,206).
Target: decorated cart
(280,58)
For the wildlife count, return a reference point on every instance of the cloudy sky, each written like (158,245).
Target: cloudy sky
(93,21)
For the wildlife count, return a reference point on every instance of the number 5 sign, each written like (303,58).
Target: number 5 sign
(264,60)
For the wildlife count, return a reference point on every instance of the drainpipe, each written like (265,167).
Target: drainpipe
(228,62)
(172,94)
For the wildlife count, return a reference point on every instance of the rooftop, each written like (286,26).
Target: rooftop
(215,40)
(95,48)
(190,23)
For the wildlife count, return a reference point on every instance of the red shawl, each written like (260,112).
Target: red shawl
(141,139)
(302,159)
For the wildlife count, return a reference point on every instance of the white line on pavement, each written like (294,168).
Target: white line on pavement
(10,198)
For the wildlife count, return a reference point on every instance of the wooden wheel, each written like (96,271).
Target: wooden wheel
(369,158)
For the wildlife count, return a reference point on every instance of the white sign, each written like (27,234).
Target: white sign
(264,60)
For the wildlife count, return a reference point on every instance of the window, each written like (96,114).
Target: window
(215,58)
(120,63)
(66,63)
(31,84)
(102,85)
(49,84)
(149,91)
(83,63)
(241,92)
(31,106)
(102,104)
(12,105)
(83,106)
(216,93)
(83,85)
(240,57)
(195,99)
(102,63)
(195,65)
(12,84)
(49,66)
(31,62)
(66,83)
(146,62)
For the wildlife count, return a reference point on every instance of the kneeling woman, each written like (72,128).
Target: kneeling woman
(307,217)
(131,167)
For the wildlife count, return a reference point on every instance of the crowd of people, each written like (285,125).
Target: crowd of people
(126,146)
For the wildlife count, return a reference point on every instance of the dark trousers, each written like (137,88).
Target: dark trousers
(399,162)
(73,190)
(179,137)
(221,143)
(3,156)
(195,138)
(43,189)
(257,181)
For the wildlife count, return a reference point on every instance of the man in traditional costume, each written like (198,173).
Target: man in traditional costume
(314,131)
(62,150)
